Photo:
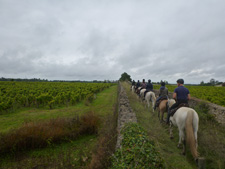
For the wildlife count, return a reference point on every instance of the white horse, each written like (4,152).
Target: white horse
(138,91)
(150,96)
(186,119)
(133,89)
(142,94)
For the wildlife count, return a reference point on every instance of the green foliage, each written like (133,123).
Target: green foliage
(40,94)
(137,151)
(125,77)
(204,107)
(203,111)
(211,94)
(79,153)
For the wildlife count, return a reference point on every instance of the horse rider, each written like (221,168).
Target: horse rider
(133,84)
(163,93)
(181,95)
(149,87)
(143,84)
(138,84)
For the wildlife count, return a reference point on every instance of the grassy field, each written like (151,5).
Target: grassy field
(211,138)
(71,153)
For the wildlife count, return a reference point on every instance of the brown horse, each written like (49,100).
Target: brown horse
(163,107)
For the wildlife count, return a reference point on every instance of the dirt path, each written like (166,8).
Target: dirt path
(125,113)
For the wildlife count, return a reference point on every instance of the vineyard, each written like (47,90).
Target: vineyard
(14,95)
(47,130)
(208,93)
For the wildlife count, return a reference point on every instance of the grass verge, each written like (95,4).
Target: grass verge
(72,154)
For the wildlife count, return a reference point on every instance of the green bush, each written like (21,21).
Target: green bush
(203,111)
(137,151)
(204,107)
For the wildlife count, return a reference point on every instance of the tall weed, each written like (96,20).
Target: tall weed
(41,134)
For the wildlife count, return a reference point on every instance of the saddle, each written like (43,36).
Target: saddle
(161,99)
(173,111)
(138,91)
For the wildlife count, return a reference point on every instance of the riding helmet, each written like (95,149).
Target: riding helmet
(181,81)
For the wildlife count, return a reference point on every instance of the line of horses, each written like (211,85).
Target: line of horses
(185,118)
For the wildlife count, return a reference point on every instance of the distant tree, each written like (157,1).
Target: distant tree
(125,77)
(202,83)
(212,81)
(166,82)
(217,82)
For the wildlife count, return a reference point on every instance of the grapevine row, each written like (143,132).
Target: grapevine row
(208,93)
(30,94)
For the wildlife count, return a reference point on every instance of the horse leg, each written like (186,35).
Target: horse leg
(153,106)
(148,103)
(171,130)
(184,147)
(161,114)
(196,142)
(145,102)
(181,137)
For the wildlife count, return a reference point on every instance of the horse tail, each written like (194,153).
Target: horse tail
(154,98)
(190,134)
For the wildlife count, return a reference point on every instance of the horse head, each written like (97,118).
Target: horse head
(171,102)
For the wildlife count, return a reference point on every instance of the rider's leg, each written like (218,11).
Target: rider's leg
(169,112)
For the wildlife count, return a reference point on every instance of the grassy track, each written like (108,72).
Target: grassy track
(149,120)
(70,154)
(211,138)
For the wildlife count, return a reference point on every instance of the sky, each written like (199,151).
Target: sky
(101,39)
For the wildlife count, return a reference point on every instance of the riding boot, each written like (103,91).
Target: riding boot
(154,107)
(143,97)
(168,117)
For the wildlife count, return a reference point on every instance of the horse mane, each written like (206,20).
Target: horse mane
(171,102)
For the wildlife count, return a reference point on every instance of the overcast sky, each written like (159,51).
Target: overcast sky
(101,39)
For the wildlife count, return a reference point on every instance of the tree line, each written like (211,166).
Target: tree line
(212,82)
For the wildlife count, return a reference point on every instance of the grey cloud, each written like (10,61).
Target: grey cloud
(161,40)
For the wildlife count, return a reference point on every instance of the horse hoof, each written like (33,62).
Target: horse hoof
(178,146)
(182,153)
(196,161)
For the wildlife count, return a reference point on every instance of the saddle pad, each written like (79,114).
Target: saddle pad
(173,111)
